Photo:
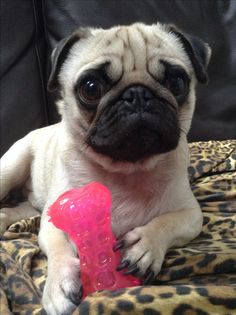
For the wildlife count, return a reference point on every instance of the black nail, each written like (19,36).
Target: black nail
(119,245)
(124,264)
(149,277)
(132,270)
(81,291)
(75,297)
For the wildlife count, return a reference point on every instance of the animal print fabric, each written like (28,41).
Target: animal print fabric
(197,279)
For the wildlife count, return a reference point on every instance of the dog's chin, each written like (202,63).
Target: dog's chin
(131,150)
(125,167)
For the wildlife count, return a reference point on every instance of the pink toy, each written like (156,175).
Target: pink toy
(84,214)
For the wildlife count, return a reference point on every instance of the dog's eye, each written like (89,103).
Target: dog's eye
(176,80)
(177,85)
(90,91)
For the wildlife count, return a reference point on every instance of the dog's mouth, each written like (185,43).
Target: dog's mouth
(131,131)
(133,144)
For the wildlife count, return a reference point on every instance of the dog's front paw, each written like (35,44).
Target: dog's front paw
(142,253)
(63,290)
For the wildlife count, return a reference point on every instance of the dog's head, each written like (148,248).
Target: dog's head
(128,93)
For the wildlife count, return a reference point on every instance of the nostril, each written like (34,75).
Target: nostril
(137,92)
(128,96)
(147,95)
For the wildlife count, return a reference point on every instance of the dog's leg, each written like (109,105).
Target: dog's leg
(9,216)
(144,247)
(62,290)
(15,165)
(14,171)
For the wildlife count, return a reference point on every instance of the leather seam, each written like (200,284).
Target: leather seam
(43,86)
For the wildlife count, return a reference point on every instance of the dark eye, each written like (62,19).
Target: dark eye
(90,91)
(177,85)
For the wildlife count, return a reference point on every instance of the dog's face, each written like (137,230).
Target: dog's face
(128,93)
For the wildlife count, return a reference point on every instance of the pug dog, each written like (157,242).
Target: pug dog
(127,97)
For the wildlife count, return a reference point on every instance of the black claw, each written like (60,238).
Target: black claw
(81,291)
(124,264)
(119,245)
(149,277)
(74,297)
(132,270)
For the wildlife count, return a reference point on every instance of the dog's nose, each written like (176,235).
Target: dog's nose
(137,94)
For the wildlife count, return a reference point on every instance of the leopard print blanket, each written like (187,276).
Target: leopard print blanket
(197,279)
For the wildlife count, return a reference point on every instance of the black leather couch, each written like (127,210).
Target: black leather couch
(206,268)
(30,29)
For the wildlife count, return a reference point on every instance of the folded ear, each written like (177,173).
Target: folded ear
(199,53)
(60,54)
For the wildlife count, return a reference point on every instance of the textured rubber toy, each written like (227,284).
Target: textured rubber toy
(85,215)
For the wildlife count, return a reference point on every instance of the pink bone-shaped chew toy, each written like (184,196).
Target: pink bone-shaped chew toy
(85,215)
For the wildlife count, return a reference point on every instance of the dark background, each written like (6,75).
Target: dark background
(31,28)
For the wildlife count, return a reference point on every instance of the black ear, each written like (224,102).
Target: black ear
(59,55)
(199,53)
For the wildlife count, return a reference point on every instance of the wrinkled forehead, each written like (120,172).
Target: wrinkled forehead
(128,49)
